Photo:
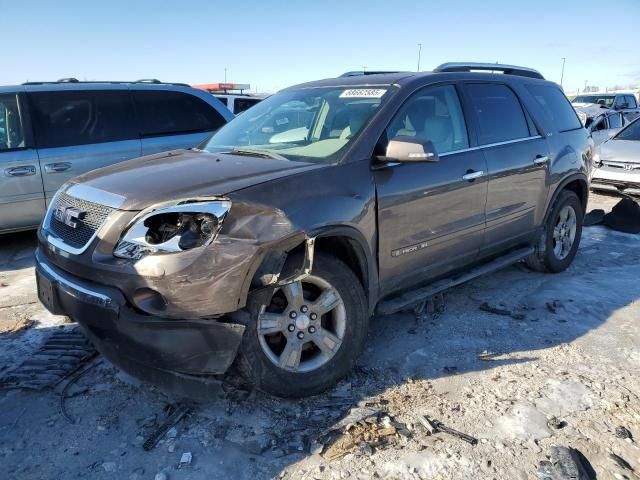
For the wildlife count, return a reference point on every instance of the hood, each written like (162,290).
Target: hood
(182,174)
(590,109)
(625,151)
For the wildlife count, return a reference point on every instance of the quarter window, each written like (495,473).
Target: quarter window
(432,114)
(556,106)
(615,121)
(171,113)
(11,133)
(62,119)
(499,113)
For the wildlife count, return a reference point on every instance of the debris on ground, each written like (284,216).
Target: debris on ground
(175,413)
(623,432)
(556,424)
(565,464)
(621,462)
(185,459)
(62,354)
(624,216)
(485,307)
(72,381)
(437,426)
(594,217)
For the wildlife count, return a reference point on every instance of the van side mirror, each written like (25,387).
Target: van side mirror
(410,149)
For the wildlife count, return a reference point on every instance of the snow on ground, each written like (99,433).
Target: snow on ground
(563,370)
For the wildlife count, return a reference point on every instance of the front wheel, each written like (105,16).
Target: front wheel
(560,239)
(310,333)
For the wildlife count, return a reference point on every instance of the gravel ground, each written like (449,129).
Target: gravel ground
(557,367)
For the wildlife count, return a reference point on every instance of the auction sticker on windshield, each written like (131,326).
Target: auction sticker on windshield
(363,93)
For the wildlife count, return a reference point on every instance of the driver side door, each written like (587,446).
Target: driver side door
(431,216)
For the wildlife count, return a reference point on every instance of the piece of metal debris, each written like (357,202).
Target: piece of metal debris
(72,381)
(485,307)
(178,413)
(185,459)
(565,464)
(438,426)
(623,432)
(63,353)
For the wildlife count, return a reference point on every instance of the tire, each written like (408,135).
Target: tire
(551,255)
(332,342)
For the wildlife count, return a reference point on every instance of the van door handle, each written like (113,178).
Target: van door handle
(57,167)
(23,171)
(540,159)
(471,175)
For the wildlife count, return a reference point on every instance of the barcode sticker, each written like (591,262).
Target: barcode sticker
(363,93)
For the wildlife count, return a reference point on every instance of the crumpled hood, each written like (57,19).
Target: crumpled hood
(182,174)
(625,151)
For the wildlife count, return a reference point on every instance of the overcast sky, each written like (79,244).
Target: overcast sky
(273,44)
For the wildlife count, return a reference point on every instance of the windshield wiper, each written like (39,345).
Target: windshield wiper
(257,153)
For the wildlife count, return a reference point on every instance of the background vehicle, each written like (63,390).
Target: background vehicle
(617,162)
(623,102)
(389,189)
(600,121)
(53,131)
(232,95)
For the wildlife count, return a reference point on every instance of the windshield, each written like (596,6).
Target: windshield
(310,125)
(600,99)
(631,132)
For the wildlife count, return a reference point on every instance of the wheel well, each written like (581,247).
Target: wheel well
(349,252)
(580,189)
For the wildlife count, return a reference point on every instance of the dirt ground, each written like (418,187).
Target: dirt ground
(557,362)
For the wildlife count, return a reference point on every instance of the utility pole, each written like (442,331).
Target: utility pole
(419,55)
(225,75)
(562,74)
(364,68)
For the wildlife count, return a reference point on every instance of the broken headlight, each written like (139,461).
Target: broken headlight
(169,229)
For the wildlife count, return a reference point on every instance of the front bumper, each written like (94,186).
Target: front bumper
(616,179)
(182,355)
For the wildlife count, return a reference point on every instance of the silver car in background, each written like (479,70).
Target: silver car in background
(617,162)
(53,131)
(601,122)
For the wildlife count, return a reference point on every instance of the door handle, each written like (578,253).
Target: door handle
(471,175)
(540,159)
(57,167)
(23,171)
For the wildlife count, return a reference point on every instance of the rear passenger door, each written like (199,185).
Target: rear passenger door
(78,131)
(21,198)
(171,120)
(517,163)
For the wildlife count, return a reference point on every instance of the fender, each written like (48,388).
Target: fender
(563,183)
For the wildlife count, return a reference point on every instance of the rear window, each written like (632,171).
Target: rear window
(556,106)
(62,119)
(171,113)
(499,113)
(243,104)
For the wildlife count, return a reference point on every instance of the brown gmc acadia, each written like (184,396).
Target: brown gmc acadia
(273,243)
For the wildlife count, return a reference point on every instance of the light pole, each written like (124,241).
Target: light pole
(419,55)
(225,75)
(562,74)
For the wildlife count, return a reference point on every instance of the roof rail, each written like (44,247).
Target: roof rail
(489,67)
(153,81)
(357,73)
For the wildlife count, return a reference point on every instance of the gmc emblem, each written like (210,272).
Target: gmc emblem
(68,215)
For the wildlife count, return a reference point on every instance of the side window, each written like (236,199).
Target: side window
(620,99)
(631,100)
(243,104)
(63,118)
(599,124)
(556,106)
(499,113)
(615,120)
(224,101)
(434,114)
(11,132)
(164,112)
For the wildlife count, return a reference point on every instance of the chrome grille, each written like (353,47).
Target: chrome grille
(94,216)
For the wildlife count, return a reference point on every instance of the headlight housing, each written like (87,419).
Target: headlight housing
(173,228)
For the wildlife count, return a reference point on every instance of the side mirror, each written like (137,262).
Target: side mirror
(410,150)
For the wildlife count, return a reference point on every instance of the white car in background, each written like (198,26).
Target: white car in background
(602,122)
(617,162)
(232,95)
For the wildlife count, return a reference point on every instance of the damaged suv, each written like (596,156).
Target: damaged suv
(271,250)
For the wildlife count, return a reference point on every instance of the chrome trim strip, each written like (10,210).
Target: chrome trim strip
(491,145)
(72,288)
(95,195)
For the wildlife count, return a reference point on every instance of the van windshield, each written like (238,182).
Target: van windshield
(310,125)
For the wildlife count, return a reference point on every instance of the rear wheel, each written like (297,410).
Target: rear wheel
(310,333)
(560,239)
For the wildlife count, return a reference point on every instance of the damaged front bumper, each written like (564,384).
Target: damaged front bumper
(182,355)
